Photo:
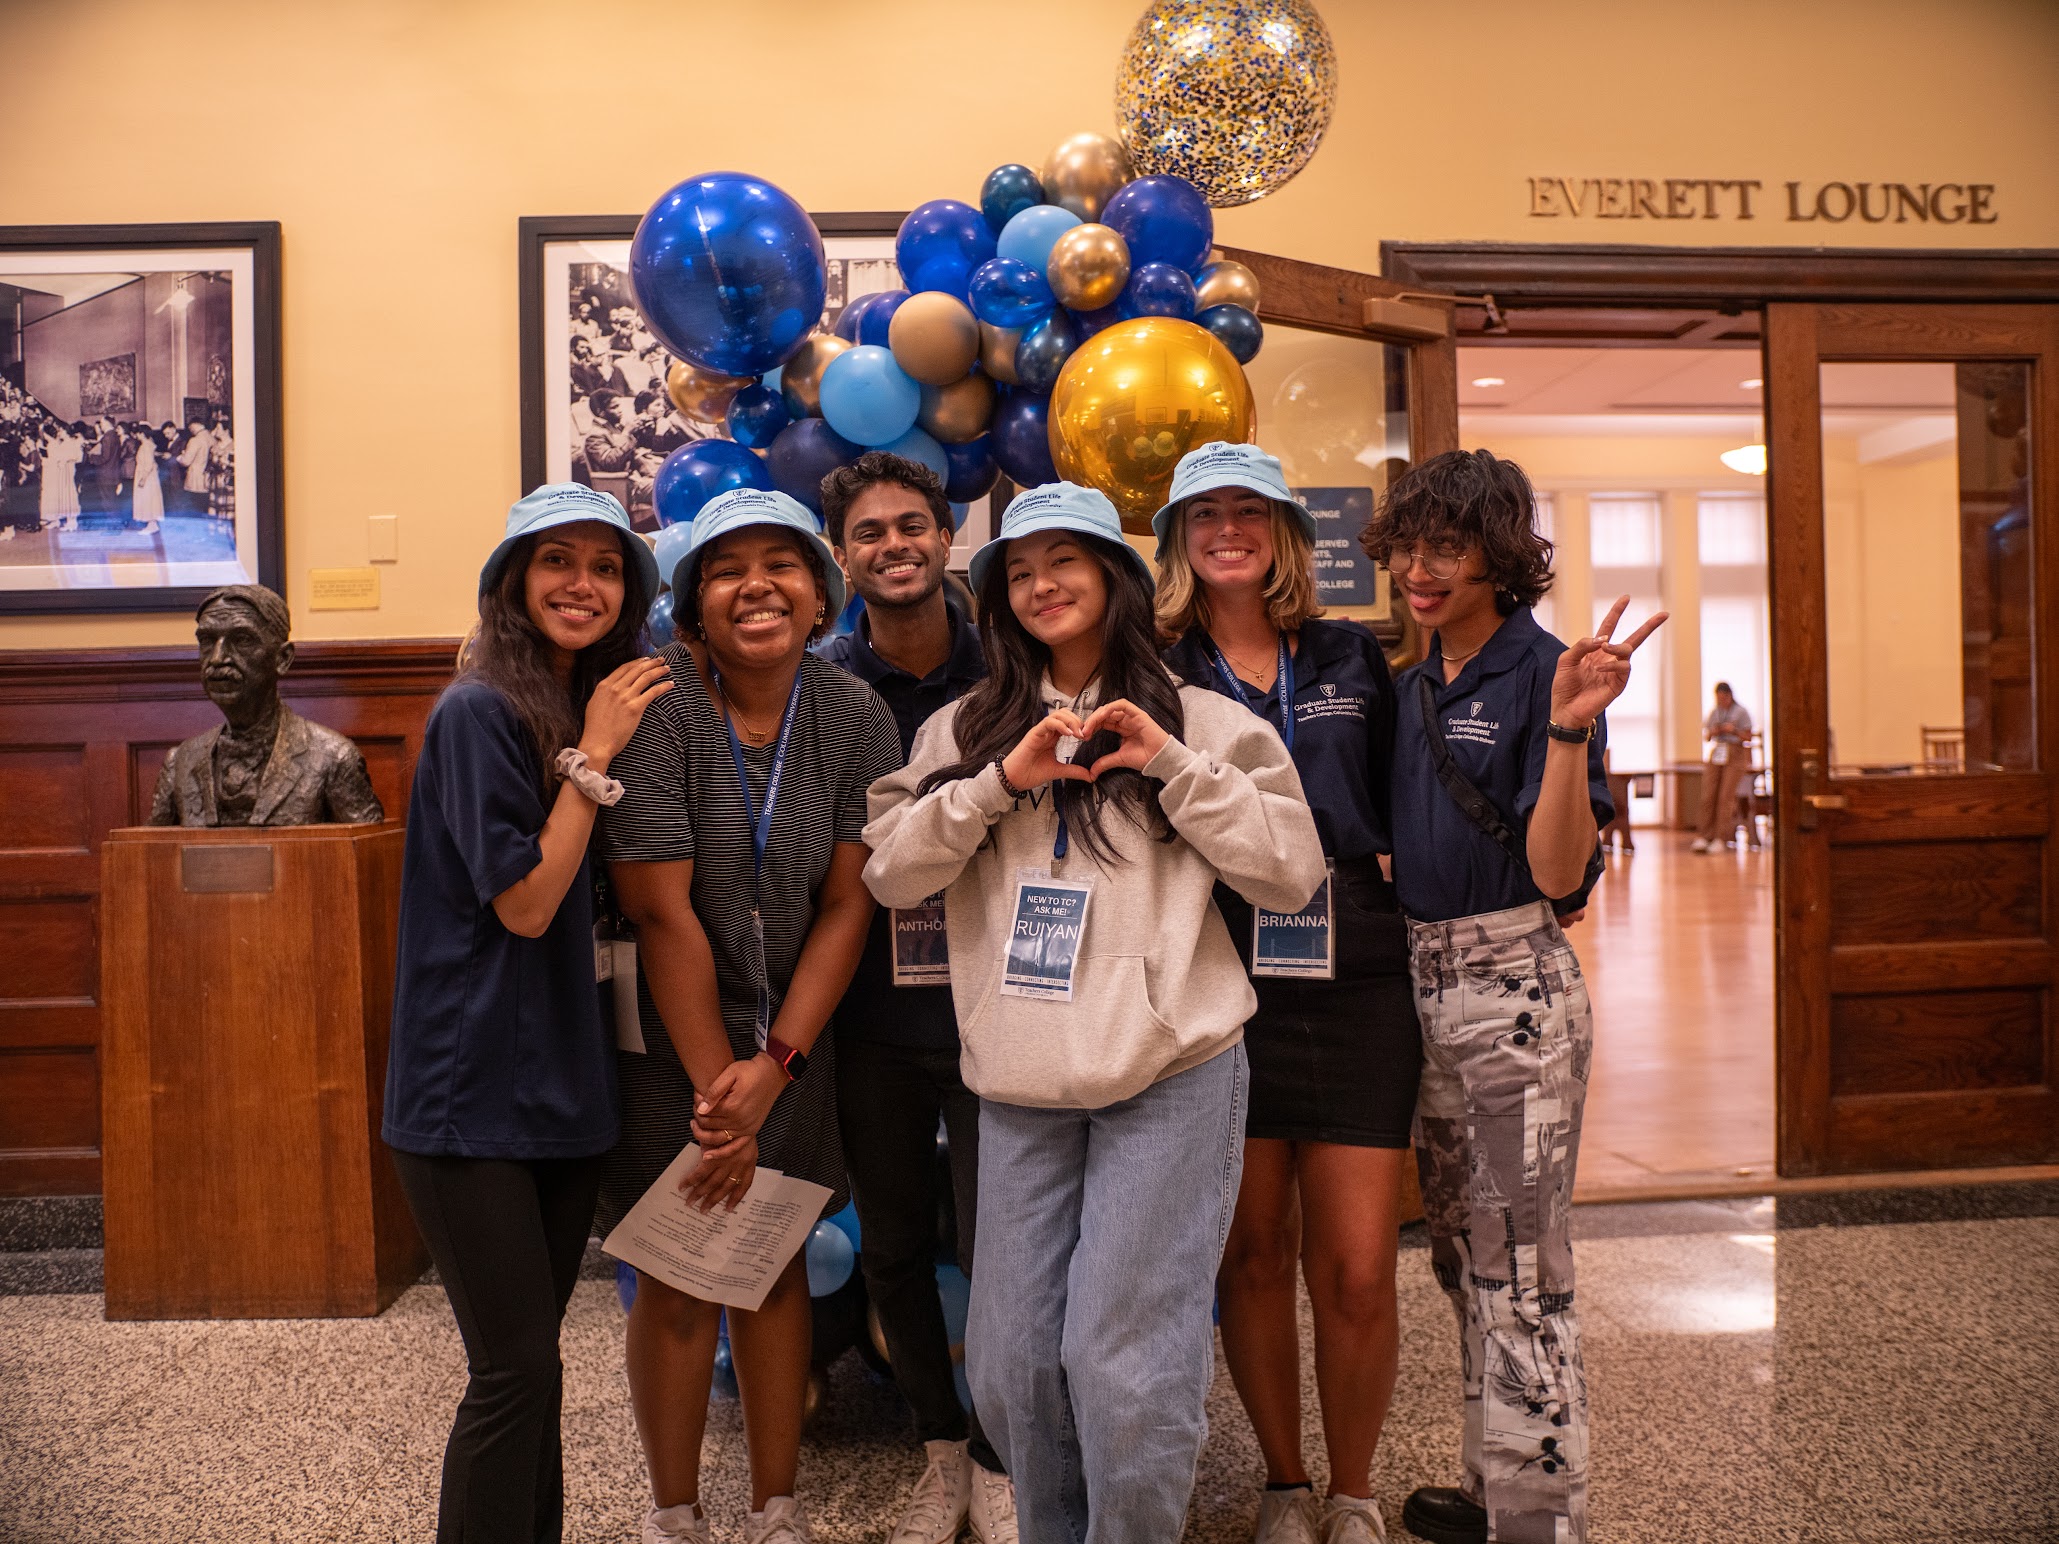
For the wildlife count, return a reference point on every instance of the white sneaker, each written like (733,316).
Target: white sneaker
(683,1524)
(1287,1517)
(936,1509)
(1701,844)
(1350,1520)
(993,1507)
(782,1522)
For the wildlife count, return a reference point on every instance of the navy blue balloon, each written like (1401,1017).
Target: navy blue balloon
(1086,323)
(697,471)
(848,319)
(662,627)
(1158,289)
(1007,292)
(1164,220)
(1043,351)
(972,470)
(940,244)
(729,274)
(1241,332)
(1008,191)
(807,451)
(756,415)
(879,316)
(1021,438)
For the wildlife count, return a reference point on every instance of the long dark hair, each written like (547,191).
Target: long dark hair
(510,654)
(998,712)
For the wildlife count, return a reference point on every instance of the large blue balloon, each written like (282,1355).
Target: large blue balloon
(1008,191)
(939,245)
(1086,323)
(867,397)
(807,451)
(728,271)
(972,470)
(1043,351)
(920,446)
(670,547)
(1158,289)
(1021,438)
(878,316)
(1165,220)
(756,415)
(847,319)
(660,622)
(830,1258)
(1031,235)
(697,471)
(1007,292)
(1239,331)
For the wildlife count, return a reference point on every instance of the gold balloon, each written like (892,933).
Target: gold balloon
(1136,397)
(800,378)
(1085,172)
(958,413)
(1226,284)
(997,351)
(1089,266)
(934,337)
(701,394)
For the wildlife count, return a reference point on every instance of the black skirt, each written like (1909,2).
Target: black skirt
(1336,1061)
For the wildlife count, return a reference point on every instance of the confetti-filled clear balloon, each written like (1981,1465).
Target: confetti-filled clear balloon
(1233,95)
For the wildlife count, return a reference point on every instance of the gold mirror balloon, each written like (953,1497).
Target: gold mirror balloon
(1088,267)
(935,337)
(1224,283)
(997,347)
(958,413)
(1135,398)
(1085,172)
(701,394)
(800,378)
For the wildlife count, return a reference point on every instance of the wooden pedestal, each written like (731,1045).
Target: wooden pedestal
(247,986)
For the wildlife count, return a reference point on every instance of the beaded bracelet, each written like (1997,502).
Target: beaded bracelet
(1001,771)
(572,766)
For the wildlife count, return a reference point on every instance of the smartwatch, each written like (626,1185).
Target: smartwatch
(794,1062)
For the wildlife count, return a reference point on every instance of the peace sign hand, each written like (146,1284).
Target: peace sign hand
(1593,671)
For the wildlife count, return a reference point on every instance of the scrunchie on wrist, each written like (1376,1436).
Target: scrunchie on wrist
(572,766)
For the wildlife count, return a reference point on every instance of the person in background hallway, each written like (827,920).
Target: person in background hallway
(1728,729)
(1499,791)
(897,1045)
(500,1081)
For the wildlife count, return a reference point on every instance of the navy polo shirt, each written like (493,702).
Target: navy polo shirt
(1493,717)
(1344,708)
(497,1047)
(874,1008)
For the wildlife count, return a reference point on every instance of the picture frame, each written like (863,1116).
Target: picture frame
(140,423)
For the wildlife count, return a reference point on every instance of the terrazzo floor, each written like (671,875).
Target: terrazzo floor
(1756,1375)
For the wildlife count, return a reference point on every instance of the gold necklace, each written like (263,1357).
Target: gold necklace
(1459,659)
(755,736)
(1258,675)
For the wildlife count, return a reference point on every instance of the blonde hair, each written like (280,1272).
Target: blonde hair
(1290,596)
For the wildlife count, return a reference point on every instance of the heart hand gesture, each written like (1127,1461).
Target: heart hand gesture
(1142,736)
(1593,672)
(1035,760)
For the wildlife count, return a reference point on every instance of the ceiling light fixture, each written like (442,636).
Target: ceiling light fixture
(1749,459)
(1489,380)
(1751,385)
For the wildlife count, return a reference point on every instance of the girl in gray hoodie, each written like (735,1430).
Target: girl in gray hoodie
(1077,809)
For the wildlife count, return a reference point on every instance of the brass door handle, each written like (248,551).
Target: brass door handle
(1825,801)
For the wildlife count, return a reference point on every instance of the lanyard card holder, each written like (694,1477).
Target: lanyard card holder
(614,968)
(922,949)
(1044,936)
(1300,944)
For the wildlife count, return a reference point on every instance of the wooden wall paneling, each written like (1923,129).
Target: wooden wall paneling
(1888,1043)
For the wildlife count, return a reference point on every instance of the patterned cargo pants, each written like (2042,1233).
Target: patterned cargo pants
(1507,1038)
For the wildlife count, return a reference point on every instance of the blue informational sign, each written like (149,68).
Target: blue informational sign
(1344,575)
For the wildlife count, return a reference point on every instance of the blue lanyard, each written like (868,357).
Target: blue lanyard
(1284,685)
(761,829)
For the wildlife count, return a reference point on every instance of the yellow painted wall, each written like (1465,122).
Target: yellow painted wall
(399,140)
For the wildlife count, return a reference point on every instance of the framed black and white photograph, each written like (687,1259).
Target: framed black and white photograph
(594,405)
(139,414)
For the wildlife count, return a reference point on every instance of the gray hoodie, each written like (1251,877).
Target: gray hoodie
(1158,987)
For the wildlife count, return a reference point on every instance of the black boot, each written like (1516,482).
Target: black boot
(1443,1515)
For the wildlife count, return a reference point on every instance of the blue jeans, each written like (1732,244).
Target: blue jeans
(1091,1342)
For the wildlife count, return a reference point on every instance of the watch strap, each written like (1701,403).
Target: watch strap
(786,1056)
(1559,731)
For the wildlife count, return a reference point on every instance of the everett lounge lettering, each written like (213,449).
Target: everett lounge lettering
(1746,198)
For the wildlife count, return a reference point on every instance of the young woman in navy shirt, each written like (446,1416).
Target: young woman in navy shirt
(1498,795)
(1334,1047)
(500,1087)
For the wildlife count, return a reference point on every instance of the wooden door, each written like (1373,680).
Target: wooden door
(1913,468)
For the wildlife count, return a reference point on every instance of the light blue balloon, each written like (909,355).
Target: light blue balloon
(918,445)
(867,397)
(830,1259)
(670,547)
(1030,236)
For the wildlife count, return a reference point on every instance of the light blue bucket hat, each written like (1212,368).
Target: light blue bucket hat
(1225,465)
(1058,506)
(557,504)
(741,507)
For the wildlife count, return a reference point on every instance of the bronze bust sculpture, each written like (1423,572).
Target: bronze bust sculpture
(266,765)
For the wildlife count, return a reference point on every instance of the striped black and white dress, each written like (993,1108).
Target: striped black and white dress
(681,801)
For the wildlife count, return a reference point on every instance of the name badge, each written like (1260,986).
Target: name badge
(603,953)
(1297,943)
(1720,756)
(922,949)
(1044,938)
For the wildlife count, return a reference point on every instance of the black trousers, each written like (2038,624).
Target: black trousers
(507,1237)
(889,1098)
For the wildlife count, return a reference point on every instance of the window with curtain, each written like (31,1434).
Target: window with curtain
(1735,622)
(1626,544)
(1547,607)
